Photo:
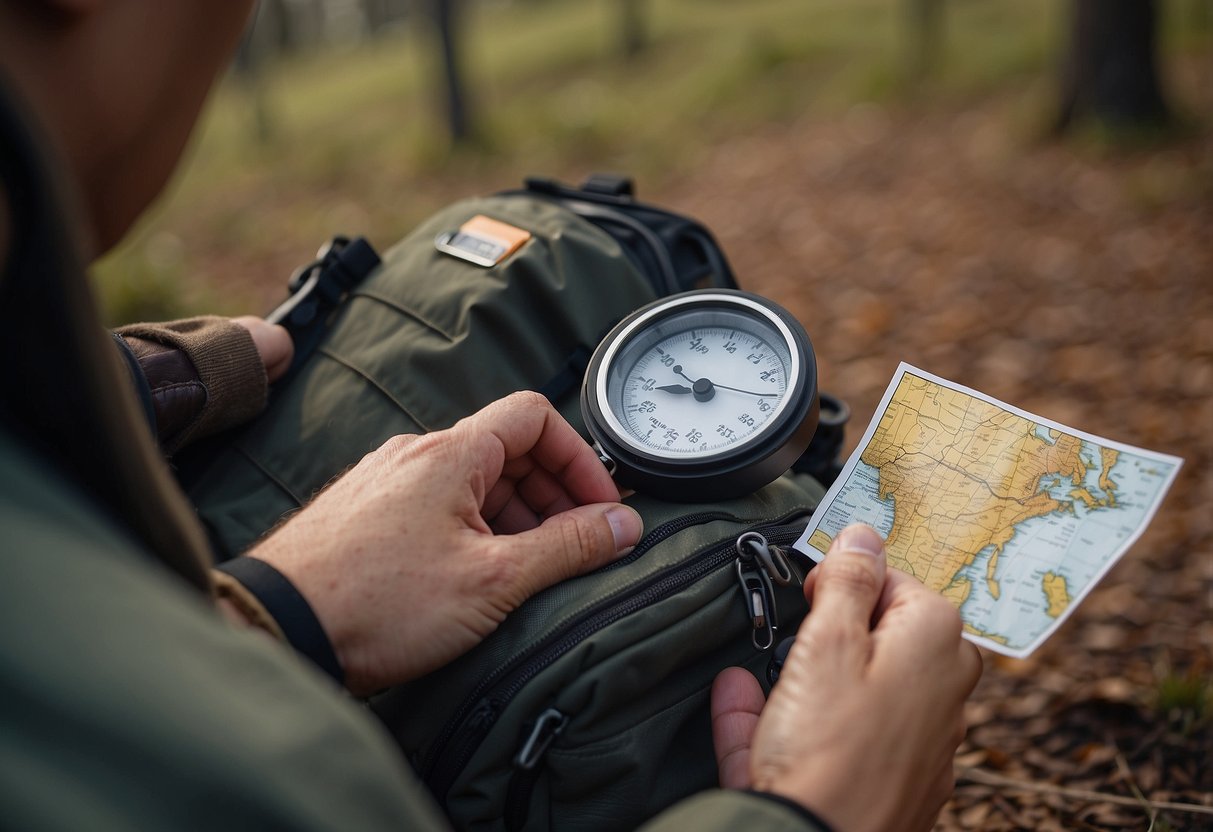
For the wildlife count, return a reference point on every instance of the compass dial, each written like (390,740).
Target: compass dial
(707,391)
(700,390)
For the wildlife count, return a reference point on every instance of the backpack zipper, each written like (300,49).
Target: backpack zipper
(758,556)
(471,722)
(759,565)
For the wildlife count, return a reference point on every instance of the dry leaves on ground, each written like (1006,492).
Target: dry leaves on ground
(1075,287)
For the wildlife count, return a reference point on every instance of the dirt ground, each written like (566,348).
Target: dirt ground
(1076,285)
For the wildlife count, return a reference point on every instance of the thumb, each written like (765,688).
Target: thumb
(273,344)
(737,702)
(844,594)
(571,543)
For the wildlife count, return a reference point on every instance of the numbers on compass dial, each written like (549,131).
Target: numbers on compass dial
(703,389)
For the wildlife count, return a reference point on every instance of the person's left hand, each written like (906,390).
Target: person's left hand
(273,344)
(419,551)
(869,709)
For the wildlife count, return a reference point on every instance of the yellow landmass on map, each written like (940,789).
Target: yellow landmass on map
(958,591)
(1088,499)
(1108,457)
(962,474)
(1056,592)
(820,541)
(969,628)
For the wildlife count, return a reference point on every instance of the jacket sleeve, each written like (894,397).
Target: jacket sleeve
(202,375)
(130,704)
(728,810)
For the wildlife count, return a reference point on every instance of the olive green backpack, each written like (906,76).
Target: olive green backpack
(588,707)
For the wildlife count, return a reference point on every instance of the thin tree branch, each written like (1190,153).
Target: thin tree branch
(989,778)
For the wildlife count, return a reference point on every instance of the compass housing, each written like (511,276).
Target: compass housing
(702,474)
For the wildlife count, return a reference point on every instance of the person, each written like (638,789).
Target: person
(130,700)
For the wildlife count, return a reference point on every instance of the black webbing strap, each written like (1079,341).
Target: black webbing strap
(289,609)
(319,288)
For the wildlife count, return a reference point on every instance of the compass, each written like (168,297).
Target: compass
(702,396)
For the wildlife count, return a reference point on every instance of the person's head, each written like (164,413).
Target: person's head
(117,86)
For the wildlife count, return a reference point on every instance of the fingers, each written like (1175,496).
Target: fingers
(524,497)
(526,424)
(971,667)
(737,702)
(847,587)
(570,543)
(273,344)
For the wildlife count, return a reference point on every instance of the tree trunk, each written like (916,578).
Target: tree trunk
(458,121)
(1110,71)
(925,19)
(632,27)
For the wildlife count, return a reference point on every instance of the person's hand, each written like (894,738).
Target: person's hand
(868,711)
(419,551)
(273,344)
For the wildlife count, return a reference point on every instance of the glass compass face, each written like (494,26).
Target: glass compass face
(702,395)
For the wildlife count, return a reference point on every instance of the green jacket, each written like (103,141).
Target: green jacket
(126,702)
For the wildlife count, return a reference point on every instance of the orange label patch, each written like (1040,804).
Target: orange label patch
(483,241)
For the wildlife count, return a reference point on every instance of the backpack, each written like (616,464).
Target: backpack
(588,707)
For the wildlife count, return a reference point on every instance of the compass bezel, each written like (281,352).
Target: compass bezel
(741,467)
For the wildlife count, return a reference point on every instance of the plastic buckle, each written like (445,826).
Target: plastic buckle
(610,184)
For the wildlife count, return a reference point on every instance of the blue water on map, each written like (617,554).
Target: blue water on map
(858,502)
(1078,543)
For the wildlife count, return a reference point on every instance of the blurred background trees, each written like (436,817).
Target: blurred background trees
(1110,67)
(368,114)
(1107,54)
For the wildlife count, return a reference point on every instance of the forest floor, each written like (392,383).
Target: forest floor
(1076,285)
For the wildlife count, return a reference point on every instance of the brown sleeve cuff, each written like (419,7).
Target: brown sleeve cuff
(228,366)
(227,588)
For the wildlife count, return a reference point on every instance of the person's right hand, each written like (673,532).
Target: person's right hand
(419,551)
(868,712)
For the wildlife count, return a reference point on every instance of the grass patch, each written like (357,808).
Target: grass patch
(1184,700)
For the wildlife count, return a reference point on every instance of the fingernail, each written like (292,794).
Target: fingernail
(626,527)
(859,538)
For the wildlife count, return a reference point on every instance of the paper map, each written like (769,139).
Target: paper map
(1012,517)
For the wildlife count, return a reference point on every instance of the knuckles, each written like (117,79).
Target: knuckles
(582,541)
(397,445)
(941,618)
(832,636)
(529,399)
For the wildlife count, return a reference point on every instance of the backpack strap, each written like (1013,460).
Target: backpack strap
(317,289)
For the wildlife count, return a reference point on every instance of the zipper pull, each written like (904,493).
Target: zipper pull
(548,727)
(772,558)
(756,590)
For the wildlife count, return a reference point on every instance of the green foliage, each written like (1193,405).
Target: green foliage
(1184,700)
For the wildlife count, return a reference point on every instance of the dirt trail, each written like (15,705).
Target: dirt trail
(1077,287)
